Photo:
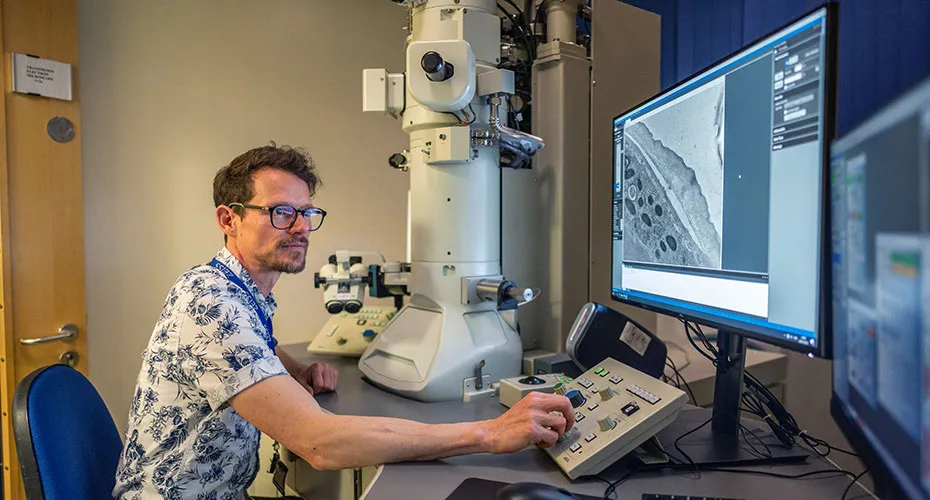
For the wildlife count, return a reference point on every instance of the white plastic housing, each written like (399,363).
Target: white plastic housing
(382,92)
(452,94)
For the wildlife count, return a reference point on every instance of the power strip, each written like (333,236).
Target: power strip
(617,408)
(512,390)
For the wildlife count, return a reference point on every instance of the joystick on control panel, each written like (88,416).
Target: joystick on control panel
(513,389)
(626,407)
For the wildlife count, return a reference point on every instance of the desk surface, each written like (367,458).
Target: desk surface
(437,479)
(354,396)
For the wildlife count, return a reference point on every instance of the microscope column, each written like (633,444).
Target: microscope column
(436,342)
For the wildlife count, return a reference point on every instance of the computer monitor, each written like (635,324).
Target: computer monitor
(720,205)
(720,193)
(881,293)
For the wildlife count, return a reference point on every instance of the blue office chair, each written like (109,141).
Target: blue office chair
(67,442)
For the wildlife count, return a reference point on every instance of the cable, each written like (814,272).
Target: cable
(688,457)
(711,468)
(743,431)
(521,30)
(698,349)
(613,486)
(474,116)
(670,362)
(760,401)
(457,117)
(816,443)
(683,351)
(784,476)
(854,481)
(781,422)
(599,478)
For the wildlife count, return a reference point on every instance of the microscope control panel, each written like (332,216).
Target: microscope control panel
(617,408)
(346,334)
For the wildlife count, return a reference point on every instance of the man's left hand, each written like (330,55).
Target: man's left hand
(318,378)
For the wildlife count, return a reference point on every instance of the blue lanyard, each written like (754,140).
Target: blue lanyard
(231,276)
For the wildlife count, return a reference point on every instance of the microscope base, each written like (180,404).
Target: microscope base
(431,350)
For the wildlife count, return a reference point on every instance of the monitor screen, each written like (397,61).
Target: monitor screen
(719,190)
(881,286)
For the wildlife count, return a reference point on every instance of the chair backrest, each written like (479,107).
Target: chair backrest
(67,443)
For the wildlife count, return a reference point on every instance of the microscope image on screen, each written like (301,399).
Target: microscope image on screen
(672,182)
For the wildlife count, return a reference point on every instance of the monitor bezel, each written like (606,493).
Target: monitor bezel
(824,312)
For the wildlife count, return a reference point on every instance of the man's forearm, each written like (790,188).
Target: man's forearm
(292,366)
(341,442)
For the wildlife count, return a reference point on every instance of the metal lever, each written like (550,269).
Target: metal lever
(479,383)
(66,332)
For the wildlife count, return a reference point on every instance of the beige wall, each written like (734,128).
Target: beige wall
(172,90)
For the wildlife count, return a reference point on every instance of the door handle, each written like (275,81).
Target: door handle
(66,332)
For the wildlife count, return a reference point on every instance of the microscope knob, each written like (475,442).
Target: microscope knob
(607,423)
(575,397)
(398,161)
(607,393)
(436,68)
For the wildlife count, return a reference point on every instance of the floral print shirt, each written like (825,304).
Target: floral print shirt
(184,440)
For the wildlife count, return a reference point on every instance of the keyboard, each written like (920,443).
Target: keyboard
(657,496)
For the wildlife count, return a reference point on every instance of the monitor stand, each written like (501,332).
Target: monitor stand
(720,442)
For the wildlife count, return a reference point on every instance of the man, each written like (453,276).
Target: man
(212,379)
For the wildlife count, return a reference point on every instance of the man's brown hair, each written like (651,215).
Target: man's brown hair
(233,183)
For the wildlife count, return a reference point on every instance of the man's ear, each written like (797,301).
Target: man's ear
(227,220)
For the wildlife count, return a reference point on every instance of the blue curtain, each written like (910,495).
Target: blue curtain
(884,45)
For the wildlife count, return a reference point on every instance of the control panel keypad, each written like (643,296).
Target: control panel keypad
(610,424)
(643,393)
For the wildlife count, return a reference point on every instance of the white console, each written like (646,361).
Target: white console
(617,408)
(347,334)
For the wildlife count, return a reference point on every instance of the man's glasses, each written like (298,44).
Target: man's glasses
(284,217)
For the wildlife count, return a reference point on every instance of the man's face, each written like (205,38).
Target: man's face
(271,248)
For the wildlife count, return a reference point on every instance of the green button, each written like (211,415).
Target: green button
(598,370)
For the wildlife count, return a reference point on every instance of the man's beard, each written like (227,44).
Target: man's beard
(270,261)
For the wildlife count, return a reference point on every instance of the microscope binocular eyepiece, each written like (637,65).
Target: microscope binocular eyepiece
(334,307)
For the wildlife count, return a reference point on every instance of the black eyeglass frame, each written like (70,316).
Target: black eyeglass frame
(306,213)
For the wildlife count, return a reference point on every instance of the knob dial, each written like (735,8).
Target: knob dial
(607,393)
(575,397)
(437,69)
(398,161)
(607,423)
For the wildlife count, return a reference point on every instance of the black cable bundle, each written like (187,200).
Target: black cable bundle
(759,400)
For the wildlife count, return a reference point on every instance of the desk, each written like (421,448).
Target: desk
(436,479)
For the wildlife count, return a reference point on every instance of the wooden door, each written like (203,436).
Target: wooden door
(41,212)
